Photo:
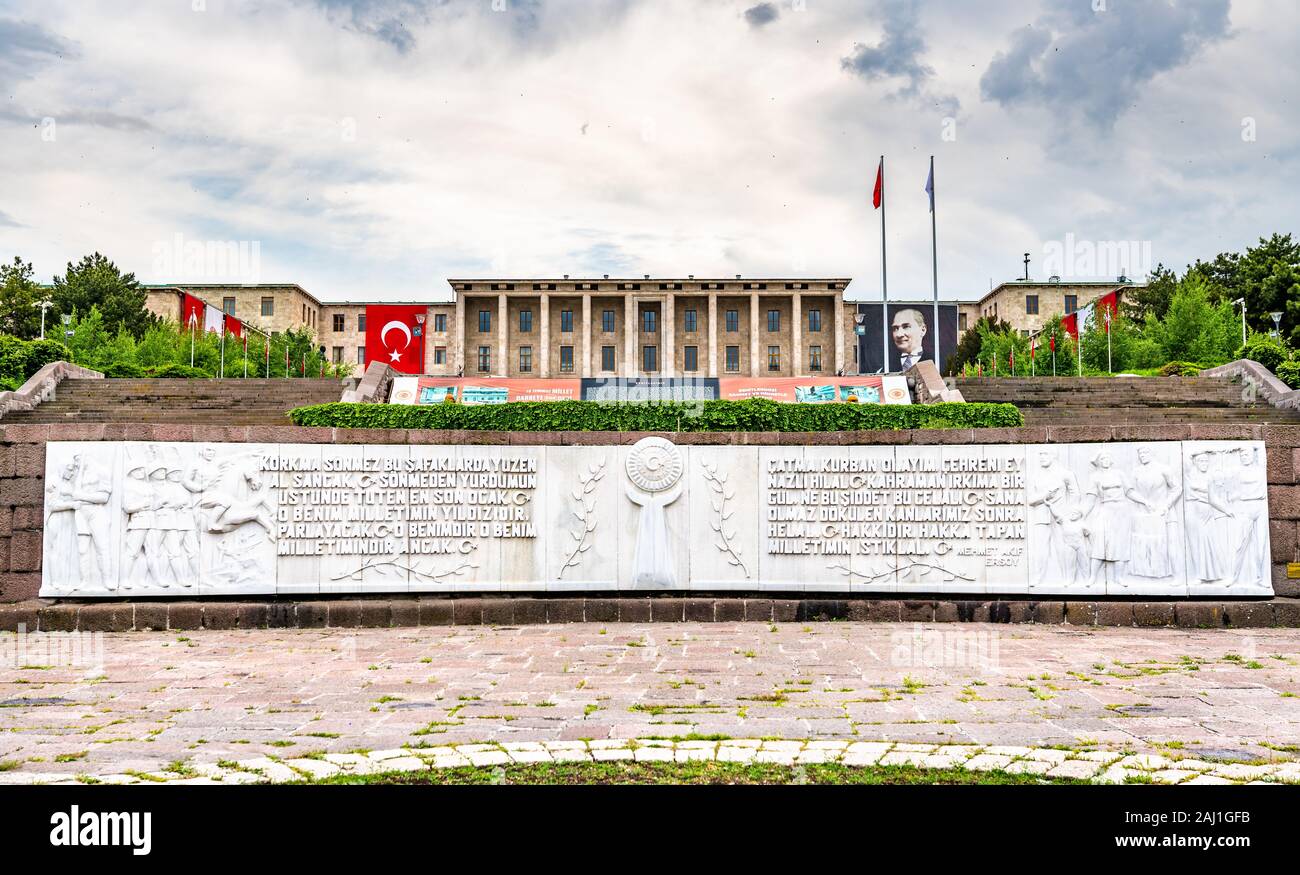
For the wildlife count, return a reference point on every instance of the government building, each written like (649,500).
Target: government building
(605,327)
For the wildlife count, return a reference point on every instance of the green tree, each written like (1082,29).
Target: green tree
(970,343)
(1153,300)
(1269,279)
(96,281)
(19,294)
(1195,329)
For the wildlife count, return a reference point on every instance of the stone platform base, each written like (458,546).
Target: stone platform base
(99,616)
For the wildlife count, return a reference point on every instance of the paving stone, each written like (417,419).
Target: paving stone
(1074,769)
(987,762)
(1200,780)
(314,768)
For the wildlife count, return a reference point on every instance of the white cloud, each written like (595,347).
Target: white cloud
(376,148)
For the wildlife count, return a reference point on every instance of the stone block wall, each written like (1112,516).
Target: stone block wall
(22,465)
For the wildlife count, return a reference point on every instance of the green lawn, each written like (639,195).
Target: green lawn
(691,773)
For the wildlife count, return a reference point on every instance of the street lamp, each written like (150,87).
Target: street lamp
(1241,302)
(67,322)
(43,305)
(1277,324)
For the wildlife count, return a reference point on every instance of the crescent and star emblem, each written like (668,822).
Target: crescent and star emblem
(395,355)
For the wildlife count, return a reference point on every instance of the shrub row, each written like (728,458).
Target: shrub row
(749,415)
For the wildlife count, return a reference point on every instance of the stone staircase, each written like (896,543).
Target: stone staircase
(1125,400)
(186,402)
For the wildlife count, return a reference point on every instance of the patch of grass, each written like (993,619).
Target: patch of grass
(9,765)
(321,734)
(706,772)
(70,757)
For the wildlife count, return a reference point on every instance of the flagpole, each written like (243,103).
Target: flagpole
(884,278)
(934,255)
(223,347)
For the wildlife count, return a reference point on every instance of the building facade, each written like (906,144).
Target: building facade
(1028,304)
(604,327)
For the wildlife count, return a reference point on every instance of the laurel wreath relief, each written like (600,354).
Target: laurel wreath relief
(585,513)
(721,495)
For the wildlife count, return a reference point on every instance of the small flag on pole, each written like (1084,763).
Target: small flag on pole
(929,186)
(879,191)
(1051,341)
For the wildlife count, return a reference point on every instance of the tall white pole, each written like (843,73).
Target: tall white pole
(934,255)
(884,278)
(1242,302)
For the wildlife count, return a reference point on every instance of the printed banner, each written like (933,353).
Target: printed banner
(810,390)
(802,390)
(487,390)
(911,336)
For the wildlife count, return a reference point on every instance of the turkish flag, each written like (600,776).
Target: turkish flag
(192,311)
(395,337)
(1071,324)
(1051,341)
(880,185)
(234,326)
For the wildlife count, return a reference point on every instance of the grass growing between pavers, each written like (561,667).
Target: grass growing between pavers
(701,772)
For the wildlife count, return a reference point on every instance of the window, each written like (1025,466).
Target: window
(361,355)
(733,320)
(607,321)
(607,358)
(566,359)
(961,322)
(484,359)
(691,357)
(484,321)
(339,322)
(648,322)
(814,320)
(525,321)
(268,306)
(690,321)
(337,355)
(228,306)
(1071,304)
(649,358)
(525,359)
(773,320)
(814,358)
(361,322)
(733,358)
(440,355)
(1031,305)
(440,322)
(774,358)
(566,321)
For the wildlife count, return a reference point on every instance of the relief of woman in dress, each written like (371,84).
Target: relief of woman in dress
(1110,536)
(1209,521)
(1155,491)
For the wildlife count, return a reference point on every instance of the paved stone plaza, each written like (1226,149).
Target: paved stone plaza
(1105,703)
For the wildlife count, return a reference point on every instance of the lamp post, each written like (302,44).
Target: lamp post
(1277,324)
(67,325)
(45,305)
(1241,302)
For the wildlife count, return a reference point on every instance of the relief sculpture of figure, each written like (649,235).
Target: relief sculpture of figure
(1155,491)
(93,523)
(1209,520)
(1108,523)
(62,568)
(1055,496)
(138,505)
(1250,505)
(247,502)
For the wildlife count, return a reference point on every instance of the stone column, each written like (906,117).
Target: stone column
(459,330)
(796,334)
(545,328)
(669,328)
(713,334)
(753,334)
(629,335)
(837,307)
(586,335)
(503,348)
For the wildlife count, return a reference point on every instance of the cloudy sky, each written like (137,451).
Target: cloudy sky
(372,148)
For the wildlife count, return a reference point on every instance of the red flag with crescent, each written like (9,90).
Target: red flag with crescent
(395,336)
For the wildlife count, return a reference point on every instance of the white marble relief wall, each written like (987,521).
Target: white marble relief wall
(1086,520)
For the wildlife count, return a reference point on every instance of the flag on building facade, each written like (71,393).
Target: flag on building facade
(212,319)
(395,336)
(191,311)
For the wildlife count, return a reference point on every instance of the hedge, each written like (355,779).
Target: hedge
(749,415)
